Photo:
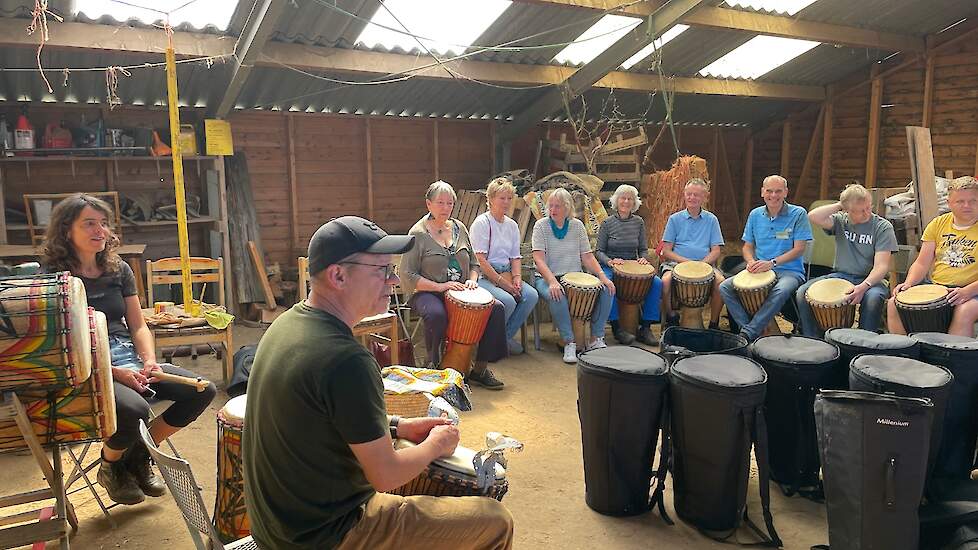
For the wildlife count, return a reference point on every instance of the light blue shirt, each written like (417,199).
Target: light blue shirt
(692,237)
(773,237)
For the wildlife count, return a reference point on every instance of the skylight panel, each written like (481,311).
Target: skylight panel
(605,32)
(197,14)
(445,26)
(758,56)
(655,45)
(790,7)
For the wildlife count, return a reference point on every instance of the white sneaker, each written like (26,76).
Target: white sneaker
(570,353)
(597,344)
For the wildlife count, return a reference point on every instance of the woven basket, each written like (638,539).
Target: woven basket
(407,405)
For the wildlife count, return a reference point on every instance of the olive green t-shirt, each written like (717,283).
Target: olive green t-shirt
(313,391)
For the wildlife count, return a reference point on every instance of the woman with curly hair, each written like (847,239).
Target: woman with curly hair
(80,240)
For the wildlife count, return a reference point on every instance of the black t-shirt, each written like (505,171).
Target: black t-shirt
(107,294)
(313,391)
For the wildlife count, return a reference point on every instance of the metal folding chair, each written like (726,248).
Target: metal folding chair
(180,479)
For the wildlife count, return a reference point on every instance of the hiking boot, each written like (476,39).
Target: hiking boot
(140,465)
(646,337)
(623,336)
(115,478)
(486,379)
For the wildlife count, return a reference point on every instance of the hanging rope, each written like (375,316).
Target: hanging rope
(39,22)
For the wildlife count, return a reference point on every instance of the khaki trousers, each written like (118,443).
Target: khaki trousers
(431,523)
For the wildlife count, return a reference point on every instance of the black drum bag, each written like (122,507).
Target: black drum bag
(717,416)
(856,341)
(874,457)
(905,377)
(622,400)
(797,368)
(959,355)
(679,342)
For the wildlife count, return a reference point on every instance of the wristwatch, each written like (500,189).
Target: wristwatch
(394,421)
(774,262)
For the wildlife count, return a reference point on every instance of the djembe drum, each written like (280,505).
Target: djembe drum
(829,300)
(468,313)
(632,282)
(692,284)
(45,339)
(752,289)
(230,515)
(582,292)
(924,308)
(454,476)
(82,413)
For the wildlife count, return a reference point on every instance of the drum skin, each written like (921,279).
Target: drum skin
(828,300)
(753,288)
(924,308)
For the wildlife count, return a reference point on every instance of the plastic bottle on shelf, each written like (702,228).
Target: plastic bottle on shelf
(24,133)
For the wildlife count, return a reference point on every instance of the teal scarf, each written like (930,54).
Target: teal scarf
(561,232)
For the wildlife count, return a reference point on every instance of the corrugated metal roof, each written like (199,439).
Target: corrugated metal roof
(916,17)
(312,22)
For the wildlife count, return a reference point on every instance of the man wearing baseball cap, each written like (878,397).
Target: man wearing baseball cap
(317,446)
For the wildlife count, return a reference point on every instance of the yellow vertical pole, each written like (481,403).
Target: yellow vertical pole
(178,189)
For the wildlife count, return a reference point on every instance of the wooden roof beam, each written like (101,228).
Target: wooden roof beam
(139,42)
(314,58)
(761,23)
(256,32)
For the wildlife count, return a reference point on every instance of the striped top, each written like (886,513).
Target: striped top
(563,255)
(621,238)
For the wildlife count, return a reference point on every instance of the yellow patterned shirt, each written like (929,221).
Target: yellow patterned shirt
(956,254)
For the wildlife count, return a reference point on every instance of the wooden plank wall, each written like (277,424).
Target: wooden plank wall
(330,157)
(953,121)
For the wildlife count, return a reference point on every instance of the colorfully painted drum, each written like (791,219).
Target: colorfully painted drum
(230,514)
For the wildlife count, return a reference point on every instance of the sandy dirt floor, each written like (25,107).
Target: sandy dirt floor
(546,493)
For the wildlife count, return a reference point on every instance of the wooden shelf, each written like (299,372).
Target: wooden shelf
(63,158)
(136,225)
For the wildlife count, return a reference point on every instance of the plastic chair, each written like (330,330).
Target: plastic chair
(180,479)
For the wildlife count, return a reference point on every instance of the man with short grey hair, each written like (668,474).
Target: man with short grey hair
(864,243)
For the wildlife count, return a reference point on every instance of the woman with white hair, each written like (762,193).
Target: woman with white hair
(561,246)
(496,243)
(441,260)
(622,237)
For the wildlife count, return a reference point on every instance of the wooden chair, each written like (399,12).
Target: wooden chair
(202,270)
(37,222)
(370,327)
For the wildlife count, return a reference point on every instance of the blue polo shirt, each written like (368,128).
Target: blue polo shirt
(773,237)
(692,237)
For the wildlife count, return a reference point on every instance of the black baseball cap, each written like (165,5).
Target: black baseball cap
(348,235)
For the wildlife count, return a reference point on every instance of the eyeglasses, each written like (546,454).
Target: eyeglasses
(388,270)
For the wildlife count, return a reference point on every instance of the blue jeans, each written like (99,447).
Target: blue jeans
(650,306)
(785,287)
(516,312)
(561,314)
(870,308)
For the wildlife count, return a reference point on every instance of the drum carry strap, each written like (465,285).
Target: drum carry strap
(665,457)
(758,431)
